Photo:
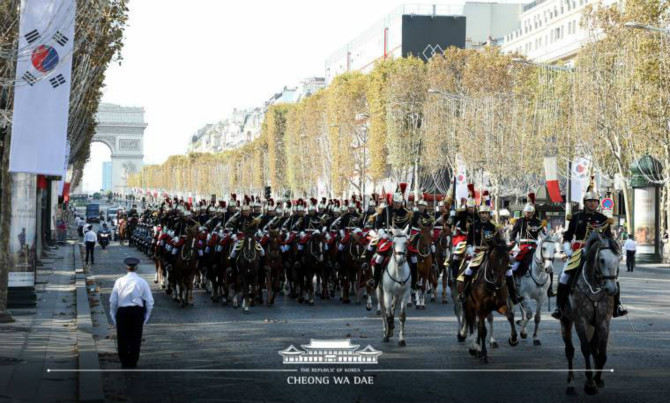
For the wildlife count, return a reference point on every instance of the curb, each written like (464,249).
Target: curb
(90,383)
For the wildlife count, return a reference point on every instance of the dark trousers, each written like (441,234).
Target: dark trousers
(129,323)
(90,246)
(630,260)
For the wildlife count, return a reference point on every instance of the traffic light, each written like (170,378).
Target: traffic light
(268,192)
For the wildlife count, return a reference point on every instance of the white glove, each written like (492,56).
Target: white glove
(382,234)
(452,213)
(567,249)
(470,251)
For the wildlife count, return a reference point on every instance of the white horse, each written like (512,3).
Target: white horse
(535,283)
(395,286)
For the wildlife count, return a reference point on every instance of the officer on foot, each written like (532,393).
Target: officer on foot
(130,307)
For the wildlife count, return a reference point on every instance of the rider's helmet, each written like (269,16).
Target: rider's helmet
(300,205)
(529,208)
(312,204)
(322,204)
(246,205)
(422,204)
(398,198)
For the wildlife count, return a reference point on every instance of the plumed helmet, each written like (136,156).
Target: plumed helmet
(398,198)
(530,206)
(591,195)
(246,205)
(300,205)
(312,204)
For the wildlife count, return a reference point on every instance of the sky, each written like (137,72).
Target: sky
(189,63)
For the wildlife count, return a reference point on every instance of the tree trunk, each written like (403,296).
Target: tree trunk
(5,217)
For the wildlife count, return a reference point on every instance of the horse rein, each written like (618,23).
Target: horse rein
(597,270)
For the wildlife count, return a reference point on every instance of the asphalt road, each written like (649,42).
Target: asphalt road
(233,352)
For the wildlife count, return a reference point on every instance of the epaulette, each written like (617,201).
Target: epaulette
(513,220)
(544,223)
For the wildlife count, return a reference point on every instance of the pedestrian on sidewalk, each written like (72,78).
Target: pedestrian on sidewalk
(130,306)
(630,246)
(80,226)
(90,238)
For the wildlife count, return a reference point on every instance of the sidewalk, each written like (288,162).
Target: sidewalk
(44,338)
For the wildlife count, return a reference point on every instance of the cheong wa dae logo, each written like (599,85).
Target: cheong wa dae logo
(336,351)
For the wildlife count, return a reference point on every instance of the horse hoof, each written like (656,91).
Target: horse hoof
(590,389)
(460,338)
(495,345)
(570,391)
(484,359)
(386,339)
(518,322)
(409,304)
(513,342)
(524,335)
(445,302)
(536,343)
(472,351)
(379,312)
(600,383)
(402,343)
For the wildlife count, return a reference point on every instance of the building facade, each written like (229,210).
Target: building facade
(423,31)
(550,30)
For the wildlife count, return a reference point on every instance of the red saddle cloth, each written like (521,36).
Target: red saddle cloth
(332,238)
(458,239)
(291,237)
(304,239)
(213,240)
(436,234)
(524,249)
(177,242)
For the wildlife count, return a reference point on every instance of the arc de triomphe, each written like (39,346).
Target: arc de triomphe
(121,128)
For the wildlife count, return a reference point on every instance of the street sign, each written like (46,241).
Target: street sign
(607,206)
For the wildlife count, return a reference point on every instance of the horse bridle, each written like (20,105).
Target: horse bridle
(597,272)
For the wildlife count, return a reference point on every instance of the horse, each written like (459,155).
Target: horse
(488,294)
(248,264)
(534,284)
(311,259)
(274,260)
(395,286)
(426,275)
(442,249)
(123,226)
(589,307)
(185,267)
(351,272)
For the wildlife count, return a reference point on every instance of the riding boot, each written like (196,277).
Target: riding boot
(377,275)
(618,308)
(561,297)
(511,289)
(413,268)
(550,291)
(467,280)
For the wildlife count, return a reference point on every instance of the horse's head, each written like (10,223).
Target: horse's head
(499,256)
(602,257)
(547,248)
(400,239)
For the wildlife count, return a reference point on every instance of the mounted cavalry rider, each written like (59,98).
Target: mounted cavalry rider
(312,221)
(394,216)
(233,203)
(582,224)
(369,216)
(294,224)
(480,234)
(529,229)
(420,218)
(217,219)
(246,225)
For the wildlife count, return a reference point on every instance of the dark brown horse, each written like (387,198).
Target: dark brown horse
(248,264)
(276,264)
(185,267)
(442,249)
(489,294)
(426,274)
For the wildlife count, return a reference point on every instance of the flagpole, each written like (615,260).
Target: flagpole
(568,199)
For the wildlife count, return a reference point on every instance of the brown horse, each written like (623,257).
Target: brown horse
(442,248)
(425,273)
(123,227)
(489,294)
(248,264)
(274,260)
(185,267)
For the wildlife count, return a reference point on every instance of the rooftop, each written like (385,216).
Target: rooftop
(330,344)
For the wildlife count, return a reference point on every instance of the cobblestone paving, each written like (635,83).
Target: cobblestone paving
(211,336)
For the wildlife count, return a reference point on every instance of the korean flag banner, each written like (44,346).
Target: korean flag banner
(42,95)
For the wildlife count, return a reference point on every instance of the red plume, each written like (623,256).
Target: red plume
(401,188)
(531,198)
(233,196)
(471,190)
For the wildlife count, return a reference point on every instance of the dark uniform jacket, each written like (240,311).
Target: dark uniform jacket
(312,222)
(418,217)
(583,222)
(246,224)
(368,219)
(527,228)
(294,223)
(479,232)
(393,218)
(349,220)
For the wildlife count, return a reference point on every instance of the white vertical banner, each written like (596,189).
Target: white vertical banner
(42,94)
(461,181)
(579,178)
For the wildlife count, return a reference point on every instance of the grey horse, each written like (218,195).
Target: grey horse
(589,309)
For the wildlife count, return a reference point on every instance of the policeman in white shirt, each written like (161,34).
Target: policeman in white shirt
(630,246)
(90,238)
(130,306)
